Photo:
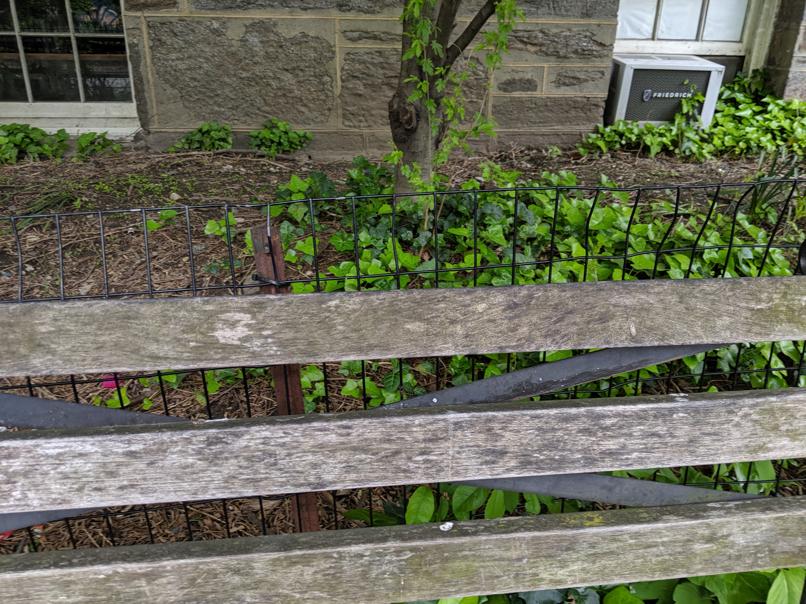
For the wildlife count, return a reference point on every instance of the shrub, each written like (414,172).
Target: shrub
(369,178)
(277,137)
(748,121)
(22,140)
(94,143)
(210,136)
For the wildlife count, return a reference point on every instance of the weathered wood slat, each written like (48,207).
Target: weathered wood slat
(399,564)
(128,335)
(145,464)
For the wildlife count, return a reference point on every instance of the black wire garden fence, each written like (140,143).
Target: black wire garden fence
(463,238)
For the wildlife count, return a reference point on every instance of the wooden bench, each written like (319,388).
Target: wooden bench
(46,470)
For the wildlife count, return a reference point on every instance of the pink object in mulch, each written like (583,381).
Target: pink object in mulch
(109,382)
(6,535)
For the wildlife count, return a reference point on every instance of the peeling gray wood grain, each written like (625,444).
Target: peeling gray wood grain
(131,335)
(101,467)
(398,564)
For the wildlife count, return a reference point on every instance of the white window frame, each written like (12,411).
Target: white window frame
(118,119)
(754,45)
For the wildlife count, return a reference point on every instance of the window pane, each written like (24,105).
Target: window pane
(636,19)
(6,23)
(51,68)
(12,85)
(97,16)
(679,19)
(725,20)
(42,15)
(104,69)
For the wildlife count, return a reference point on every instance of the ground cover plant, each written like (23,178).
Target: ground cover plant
(209,136)
(21,141)
(749,120)
(773,587)
(91,144)
(276,137)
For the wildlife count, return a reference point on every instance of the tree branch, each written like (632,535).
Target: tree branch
(446,20)
(459,45)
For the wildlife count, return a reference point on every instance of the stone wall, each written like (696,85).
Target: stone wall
(330,66)
(787,57)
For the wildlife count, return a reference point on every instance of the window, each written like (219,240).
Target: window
(686,26)
(63,51)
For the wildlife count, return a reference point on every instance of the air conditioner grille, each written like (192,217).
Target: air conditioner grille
(655,93)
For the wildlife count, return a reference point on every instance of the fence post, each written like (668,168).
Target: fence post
(270,267)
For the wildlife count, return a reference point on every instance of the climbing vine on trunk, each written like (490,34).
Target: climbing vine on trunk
(427,113)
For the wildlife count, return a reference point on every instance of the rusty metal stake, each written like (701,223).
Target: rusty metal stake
(270,267)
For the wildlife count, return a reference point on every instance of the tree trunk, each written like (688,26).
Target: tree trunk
(412,127)
(412,134)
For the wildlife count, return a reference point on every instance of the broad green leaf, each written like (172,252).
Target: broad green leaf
(655,590)
(787,587)
(738,588)
(688,593)
(511,500)
(495,505)
(644,262)
(622,595)
(305,246)
(532,503)
(421,506)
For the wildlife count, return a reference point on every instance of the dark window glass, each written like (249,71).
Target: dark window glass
(6,24)
(104,69)
(51,68)
(42,15)
(97,16)
(12,84)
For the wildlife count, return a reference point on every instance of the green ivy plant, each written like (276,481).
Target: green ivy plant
(95,143)
(22,141)
(163,219)
(748,121)
(782,586)
(584,226)
(278,137)
(210,136)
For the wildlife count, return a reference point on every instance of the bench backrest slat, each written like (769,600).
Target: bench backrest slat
(399,564)
(147,464)
(118,335)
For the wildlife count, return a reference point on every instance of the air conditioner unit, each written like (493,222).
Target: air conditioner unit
(649,87)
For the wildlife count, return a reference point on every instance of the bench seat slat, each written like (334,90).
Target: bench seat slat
(53,338)
(97,467)
(423,562)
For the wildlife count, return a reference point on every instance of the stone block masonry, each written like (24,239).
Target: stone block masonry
(330,66)
(786,62)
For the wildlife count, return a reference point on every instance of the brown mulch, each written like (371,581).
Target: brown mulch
(137,179)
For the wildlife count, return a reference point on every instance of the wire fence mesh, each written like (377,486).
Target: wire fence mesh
(462,238)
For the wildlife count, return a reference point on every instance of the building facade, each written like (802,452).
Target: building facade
(160,67)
